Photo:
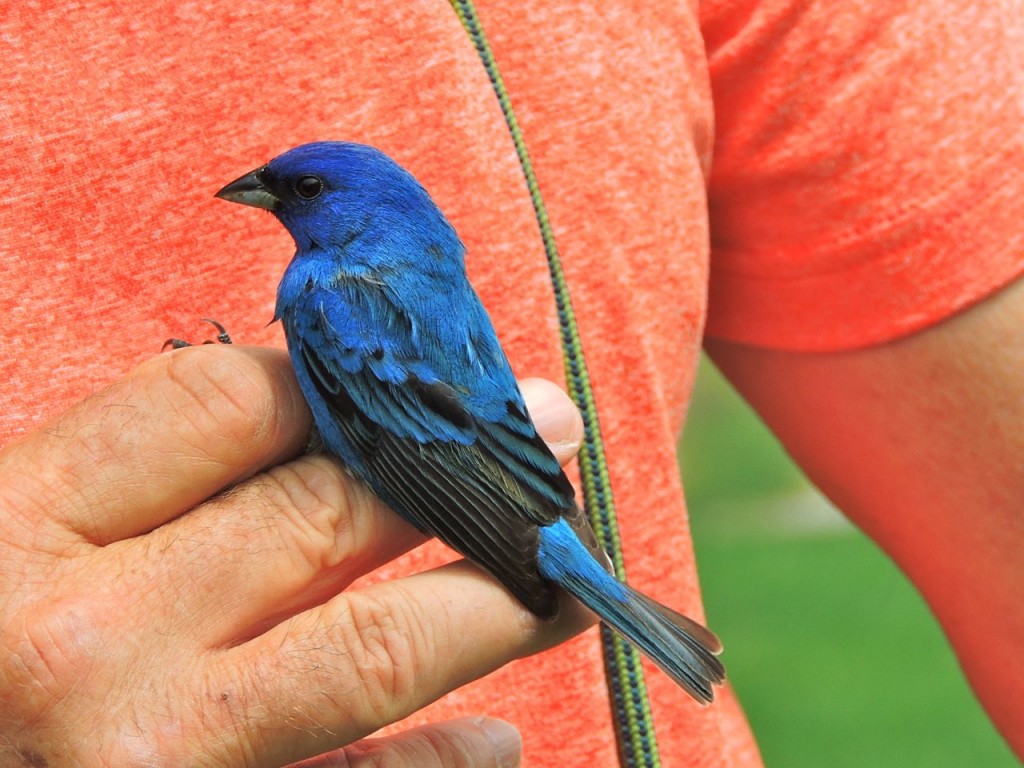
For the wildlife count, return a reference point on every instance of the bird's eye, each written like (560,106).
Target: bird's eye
(309,187)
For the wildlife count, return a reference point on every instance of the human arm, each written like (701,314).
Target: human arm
(919,442)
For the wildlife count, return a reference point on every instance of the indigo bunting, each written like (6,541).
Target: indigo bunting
(410,389)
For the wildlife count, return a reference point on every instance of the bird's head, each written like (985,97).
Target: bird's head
(329,194)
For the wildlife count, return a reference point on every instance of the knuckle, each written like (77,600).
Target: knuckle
(313,495)
(45,649)
(221,393)
(383,647)
(55,660)
(441,748)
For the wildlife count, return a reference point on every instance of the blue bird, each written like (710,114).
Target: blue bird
(410,389)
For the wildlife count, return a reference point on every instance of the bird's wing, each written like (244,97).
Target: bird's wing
(480,485)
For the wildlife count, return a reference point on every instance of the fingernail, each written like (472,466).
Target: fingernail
(508,744)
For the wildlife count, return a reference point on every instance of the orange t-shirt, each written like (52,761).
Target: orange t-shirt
(838,175)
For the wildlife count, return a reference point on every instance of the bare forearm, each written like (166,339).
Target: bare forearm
(919,442)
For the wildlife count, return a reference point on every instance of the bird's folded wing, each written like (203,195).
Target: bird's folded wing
(480,486)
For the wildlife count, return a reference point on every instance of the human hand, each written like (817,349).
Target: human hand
(170,571)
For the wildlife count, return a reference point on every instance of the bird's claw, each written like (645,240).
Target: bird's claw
(222,337)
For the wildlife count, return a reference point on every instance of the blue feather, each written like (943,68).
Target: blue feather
(685,650)
(411,390)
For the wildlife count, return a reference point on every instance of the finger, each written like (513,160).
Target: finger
(288,539)
(472,742)
(367,658)
(557,419)
(292,537)
(181,427)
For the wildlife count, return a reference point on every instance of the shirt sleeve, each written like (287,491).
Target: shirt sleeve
(866,180)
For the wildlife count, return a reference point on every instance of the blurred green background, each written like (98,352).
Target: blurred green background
(837,660)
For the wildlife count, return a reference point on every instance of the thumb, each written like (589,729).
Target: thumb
(470,742)
(555,415)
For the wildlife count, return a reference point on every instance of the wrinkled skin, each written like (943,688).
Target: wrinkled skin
(172,585)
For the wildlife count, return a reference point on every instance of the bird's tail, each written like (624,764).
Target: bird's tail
(684,649)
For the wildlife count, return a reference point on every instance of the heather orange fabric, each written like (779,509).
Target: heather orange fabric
(120,120)
(867,173)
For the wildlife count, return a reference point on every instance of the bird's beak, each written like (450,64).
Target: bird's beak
(249,190)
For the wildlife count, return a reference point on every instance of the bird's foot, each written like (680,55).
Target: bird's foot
(222,337)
